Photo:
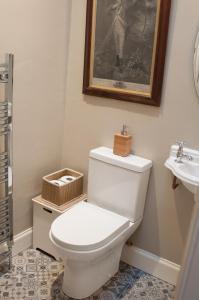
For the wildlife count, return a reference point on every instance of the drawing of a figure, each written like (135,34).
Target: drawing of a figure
(119,29)
(124,40)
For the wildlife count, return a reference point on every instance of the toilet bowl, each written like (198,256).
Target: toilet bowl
(89,237)
(91,256)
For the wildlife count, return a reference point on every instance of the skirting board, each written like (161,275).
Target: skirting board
(150,263)
(22,241)
(141,259)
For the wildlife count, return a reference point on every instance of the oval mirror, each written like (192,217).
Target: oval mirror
(196,64)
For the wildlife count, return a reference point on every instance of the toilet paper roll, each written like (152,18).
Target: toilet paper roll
(57,182)
(67,179)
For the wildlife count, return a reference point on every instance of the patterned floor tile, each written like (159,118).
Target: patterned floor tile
(35,276)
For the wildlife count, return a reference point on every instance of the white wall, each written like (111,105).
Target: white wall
(92,121)
(36,33)
(187,287)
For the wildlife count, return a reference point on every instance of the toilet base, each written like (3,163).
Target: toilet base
(82,279)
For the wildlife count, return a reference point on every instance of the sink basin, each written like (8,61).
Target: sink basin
(187,171)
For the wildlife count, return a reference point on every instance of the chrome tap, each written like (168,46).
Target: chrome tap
(180,153)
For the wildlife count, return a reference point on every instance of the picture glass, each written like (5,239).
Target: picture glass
(123,45)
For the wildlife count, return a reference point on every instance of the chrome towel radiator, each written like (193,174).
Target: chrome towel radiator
(6,203)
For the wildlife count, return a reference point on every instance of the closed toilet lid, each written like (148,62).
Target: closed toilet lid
(87,227)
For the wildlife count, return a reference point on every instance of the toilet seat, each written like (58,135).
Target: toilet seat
(87,227)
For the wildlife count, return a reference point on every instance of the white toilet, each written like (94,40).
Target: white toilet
(90,236)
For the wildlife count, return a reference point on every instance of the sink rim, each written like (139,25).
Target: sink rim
(177,170)
(179,173)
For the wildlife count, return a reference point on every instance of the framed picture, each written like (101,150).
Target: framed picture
(125,49)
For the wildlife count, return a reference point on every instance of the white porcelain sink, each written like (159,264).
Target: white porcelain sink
(187,171)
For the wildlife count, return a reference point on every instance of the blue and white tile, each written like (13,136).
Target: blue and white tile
(35,276)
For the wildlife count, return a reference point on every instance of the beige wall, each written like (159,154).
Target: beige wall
(92,121)
(35,32)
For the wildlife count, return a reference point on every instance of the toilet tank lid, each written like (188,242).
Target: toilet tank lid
(130,162)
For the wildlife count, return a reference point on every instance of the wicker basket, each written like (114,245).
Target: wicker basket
(62,194)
